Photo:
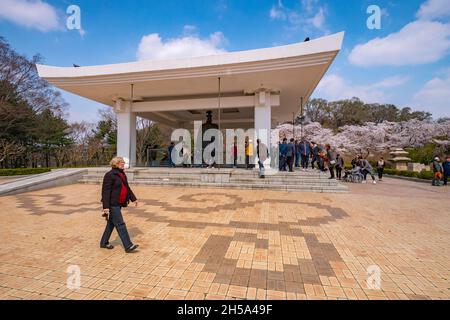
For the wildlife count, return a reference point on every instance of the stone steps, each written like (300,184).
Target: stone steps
(284,187)
(312,181)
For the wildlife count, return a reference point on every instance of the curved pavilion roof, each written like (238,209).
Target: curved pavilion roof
(293,71)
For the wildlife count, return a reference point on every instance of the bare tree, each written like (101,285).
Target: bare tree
(9,149)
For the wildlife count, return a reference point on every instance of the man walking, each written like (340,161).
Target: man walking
(116,194)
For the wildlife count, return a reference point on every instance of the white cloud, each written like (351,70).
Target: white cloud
(319,19)
(310,15)
(334,87)
(434,96)
(189,29)
(419,42)
(277,13)
(433,9)
(30,13)
(153,47)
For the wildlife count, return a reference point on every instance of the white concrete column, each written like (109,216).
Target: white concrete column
(263,116)
(126,132)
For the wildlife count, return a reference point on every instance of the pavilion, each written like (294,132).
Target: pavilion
(258,88)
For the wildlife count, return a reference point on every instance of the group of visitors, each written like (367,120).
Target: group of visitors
(294,152)
(304,154)
(440,170)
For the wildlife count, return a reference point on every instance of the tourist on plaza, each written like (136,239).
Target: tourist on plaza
(282,149)
(322,157)
(248,152)
(263,154)
(290,152)
(354,162)
(366,169)
(305,152)
(339,166)
(314,154)
(116,194)
(330,160)
(380,168)
(234,154)
(437,172)
(186,152)
(297,154)
(169,154)
(446,168)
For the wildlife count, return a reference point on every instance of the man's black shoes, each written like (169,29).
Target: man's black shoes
(132,248)
(107,246)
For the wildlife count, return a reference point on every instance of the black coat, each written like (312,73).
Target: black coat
(112,184)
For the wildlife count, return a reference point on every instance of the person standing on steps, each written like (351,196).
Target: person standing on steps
(339,166)
(116,194)
(290,153)
(263,155)
(330,160)
(282,149)
(305,152)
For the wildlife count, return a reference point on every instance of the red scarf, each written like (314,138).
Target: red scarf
(123,190)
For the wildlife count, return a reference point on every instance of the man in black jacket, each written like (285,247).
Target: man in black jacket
(116,193)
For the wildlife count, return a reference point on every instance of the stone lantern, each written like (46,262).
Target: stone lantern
(399,159)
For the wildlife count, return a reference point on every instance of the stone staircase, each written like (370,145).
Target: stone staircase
(310,181)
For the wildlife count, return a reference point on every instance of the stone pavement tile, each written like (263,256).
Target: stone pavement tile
(334,292)
(276,295)
(215,297)
(237,291)
(140,291)
(251,293)
(92,294)
(194,296)
(350,294)
(128,297)
(115,296)
(125,288)
(223,289)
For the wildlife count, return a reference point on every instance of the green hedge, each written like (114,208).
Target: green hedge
(428,175)
(22,171)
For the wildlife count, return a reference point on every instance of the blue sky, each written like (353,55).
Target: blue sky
(406,62)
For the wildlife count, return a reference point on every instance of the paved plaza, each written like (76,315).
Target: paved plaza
(202,243)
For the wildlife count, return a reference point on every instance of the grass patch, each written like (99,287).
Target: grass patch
(23,171)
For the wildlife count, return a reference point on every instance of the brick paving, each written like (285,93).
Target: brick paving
(230,244)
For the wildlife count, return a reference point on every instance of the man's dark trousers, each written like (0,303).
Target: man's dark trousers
(116,220)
